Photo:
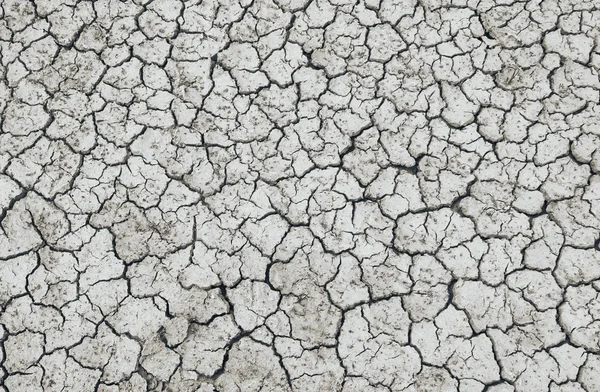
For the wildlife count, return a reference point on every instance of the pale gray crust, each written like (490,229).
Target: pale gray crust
(300,195)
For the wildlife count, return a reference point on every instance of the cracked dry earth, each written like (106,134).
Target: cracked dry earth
(300,195)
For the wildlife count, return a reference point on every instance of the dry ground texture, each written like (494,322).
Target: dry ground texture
(300,195)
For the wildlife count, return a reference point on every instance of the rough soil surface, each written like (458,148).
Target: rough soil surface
(300,195)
